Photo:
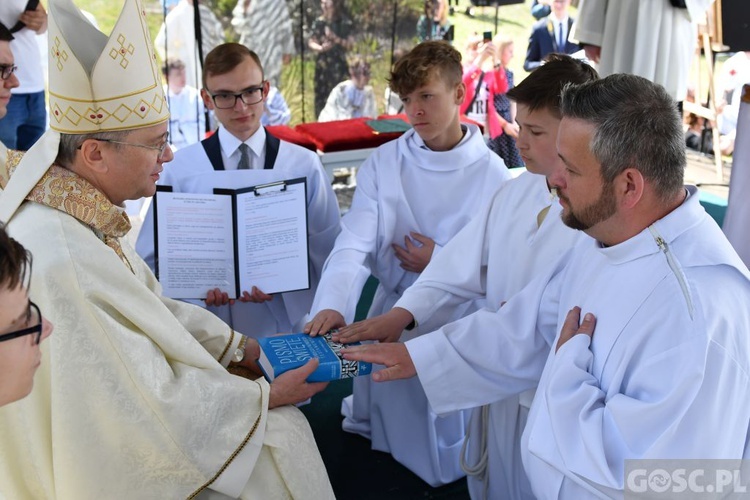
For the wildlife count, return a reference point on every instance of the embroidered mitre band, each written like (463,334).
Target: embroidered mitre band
(99,82)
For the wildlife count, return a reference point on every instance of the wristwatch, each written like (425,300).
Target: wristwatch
(239,353)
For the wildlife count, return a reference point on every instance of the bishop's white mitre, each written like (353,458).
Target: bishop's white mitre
(97,83)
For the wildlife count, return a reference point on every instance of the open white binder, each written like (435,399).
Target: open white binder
(232,240)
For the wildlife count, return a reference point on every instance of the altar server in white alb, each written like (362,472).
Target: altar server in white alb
(132,397)
(413,195)
(235,90)
(659,366)
(517,237)
(652,39)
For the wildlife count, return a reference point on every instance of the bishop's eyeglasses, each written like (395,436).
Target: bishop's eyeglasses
(160,148)
(35,319)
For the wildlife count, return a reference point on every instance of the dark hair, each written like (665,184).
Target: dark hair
(225,58)
(427,59)
(15,261)
(542,88)
(5,34)
(636,125)
(70,143)
(172,64)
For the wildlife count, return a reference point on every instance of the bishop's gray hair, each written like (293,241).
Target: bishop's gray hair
(70,143)
(636,125)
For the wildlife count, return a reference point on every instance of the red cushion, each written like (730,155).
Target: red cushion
(344,135)
(287,133)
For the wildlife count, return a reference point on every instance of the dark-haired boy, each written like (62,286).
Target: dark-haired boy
(235,89)
(413,195)
(517,237)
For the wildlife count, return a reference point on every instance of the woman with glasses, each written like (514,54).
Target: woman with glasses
(22,327)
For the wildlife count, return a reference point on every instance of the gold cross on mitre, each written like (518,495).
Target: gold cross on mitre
(99,82)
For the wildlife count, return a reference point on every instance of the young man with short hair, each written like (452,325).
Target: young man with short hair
(235,89)
(518,237)
(413,195)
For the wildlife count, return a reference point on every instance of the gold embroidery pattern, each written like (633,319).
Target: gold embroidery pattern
(229,344)
(122,51)
(60,56)
(100,114)
(63,190)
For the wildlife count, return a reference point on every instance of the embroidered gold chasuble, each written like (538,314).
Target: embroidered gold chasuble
(132,398)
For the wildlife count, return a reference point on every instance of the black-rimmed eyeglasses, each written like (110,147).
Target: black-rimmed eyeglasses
(6,70)
(35,318)
(249,96)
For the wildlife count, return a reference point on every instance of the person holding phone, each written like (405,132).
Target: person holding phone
(22,327)
(26,118)
(487,79)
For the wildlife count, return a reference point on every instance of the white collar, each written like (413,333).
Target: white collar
(229,143)
(419,142)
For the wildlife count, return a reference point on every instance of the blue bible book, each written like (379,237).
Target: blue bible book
(286,352)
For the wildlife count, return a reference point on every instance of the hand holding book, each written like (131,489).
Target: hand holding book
(281,354)
(292,387)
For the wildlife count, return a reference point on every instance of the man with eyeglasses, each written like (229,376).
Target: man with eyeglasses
(22,327)
(235,89)
(7,70)
(133,397)
(26,117)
